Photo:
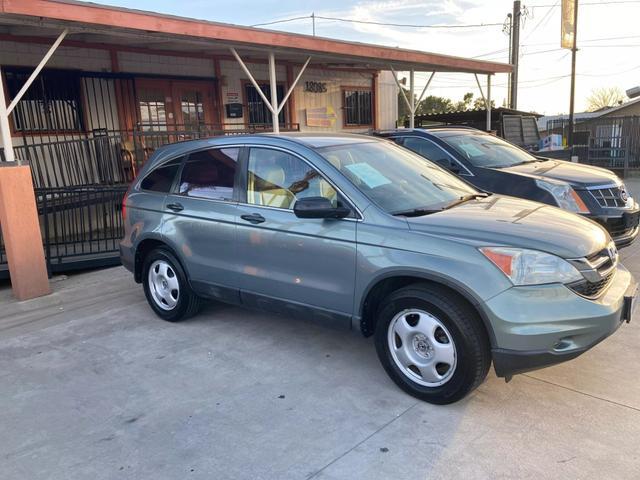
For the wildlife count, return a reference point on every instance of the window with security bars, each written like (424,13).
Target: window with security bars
(258,112)
(357,107)
(51,104)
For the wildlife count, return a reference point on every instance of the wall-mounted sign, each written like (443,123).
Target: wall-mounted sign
(315,87)
(233,97)
(321,117)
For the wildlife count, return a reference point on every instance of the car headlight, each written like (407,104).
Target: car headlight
(531,267)
(565,196)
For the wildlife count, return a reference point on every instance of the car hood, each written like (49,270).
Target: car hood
(501,220)
(576,174)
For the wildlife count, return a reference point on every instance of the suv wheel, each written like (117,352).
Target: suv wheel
(166,287)
(432,346)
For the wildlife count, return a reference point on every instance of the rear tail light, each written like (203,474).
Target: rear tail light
(124,206)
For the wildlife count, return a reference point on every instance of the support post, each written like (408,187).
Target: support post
(19,220)
(488,104)
(274,93)
(5,130)
(412,100)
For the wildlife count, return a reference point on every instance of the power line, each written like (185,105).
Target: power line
(282,21)
(370,22)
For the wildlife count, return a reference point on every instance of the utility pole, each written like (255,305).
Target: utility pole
(313,22)
(510,31)
(574,50)
(515,52)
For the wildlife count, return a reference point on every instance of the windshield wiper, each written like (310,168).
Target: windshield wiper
(466,198)
(416,212)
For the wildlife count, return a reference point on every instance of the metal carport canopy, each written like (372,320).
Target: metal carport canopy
(92,22)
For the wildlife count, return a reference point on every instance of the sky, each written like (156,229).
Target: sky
(608,39)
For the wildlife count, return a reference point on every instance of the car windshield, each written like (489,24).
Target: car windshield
(395,179)
(483,150)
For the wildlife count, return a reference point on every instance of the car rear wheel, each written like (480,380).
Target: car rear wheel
(166,287)
(432,344)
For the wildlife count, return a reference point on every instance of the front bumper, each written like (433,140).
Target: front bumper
(623,229)
(538,326)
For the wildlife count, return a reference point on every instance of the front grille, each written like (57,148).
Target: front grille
(610,197)
(592,289)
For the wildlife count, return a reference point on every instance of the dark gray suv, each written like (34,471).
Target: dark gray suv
(360,233)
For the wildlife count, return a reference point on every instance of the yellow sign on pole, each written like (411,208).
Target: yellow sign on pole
(568,25)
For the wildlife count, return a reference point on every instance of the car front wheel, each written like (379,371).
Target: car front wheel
(432,344)
(166,287)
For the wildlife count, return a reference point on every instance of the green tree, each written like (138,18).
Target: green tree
(434,104)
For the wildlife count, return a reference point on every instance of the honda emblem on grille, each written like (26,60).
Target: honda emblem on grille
(612,251)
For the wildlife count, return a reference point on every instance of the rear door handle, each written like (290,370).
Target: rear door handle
(254,218)
(176,207)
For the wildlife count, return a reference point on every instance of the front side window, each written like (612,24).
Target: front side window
(483,150)
(51,104)
(357,107)
(210,174)
(395,179)
(161,178)
(277,179)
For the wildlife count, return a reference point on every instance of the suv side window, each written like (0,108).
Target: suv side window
(278,179)
(210,174)
(160,179)
(425,148)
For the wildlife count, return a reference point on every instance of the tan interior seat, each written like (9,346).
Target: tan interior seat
(272,194)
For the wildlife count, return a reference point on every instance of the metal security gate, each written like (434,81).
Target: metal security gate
(83,137)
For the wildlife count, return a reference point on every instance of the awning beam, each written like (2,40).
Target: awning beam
(411,102)
(37,70)
(274,107)
(5,111)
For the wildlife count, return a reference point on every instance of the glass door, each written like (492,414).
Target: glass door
(193,106)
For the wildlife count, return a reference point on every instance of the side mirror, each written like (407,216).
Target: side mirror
(318,207)
(449,165)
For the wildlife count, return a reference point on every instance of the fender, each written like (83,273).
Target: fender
(453,284)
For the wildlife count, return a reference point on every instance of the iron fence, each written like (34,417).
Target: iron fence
(81,227)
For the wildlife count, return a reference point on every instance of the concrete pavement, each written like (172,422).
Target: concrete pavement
(93,385)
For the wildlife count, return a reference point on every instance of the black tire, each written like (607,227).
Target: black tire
(188,303)
(473,357)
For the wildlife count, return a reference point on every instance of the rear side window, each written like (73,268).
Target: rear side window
(210,174)
(161,178)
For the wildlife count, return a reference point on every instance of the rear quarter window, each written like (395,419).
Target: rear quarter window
(161,178)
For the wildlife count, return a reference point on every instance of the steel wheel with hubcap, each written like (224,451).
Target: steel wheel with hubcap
(166,286)
(422,347)
(432,342)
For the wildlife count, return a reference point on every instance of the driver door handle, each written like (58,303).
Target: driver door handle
(176,207)
(254,218)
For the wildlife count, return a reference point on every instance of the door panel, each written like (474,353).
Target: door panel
(200,219)
(304,261)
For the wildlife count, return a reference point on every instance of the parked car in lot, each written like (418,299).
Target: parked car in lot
(495,165)
(357,232)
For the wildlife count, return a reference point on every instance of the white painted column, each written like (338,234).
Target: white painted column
(412,99)
(274,93)
(5,131)
(488,103)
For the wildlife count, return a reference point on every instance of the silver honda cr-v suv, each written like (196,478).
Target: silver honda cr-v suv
(360,233)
